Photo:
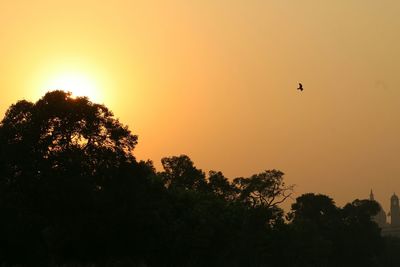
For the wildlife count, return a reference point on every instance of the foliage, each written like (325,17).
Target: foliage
(179,172)
(265,189)
(333,236)
(73,194)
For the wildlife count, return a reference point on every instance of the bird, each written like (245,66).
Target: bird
(300,87)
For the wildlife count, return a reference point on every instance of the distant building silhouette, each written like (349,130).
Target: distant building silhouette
(392,228)
(394,211)
(379,218)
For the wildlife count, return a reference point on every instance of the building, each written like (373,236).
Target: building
(392,228)
(379,218)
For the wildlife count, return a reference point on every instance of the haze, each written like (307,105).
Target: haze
(217,80)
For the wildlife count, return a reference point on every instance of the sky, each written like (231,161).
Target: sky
(217,79)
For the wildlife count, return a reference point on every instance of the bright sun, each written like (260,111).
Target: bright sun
(76,83)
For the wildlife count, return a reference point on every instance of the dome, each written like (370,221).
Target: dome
(380,217)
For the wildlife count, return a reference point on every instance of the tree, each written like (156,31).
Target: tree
(220,185)
(360,211)
(361,241)
(59,159)
(315,208)
(180,173)
(60,133)
(265,189)
(326,235)
(315,222)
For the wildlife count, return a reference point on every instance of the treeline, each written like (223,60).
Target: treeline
(73,194)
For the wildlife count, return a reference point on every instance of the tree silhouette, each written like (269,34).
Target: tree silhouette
(180,172)
(61,157)
(361,240)
(265,189)
(326,235)
(220,185)
(71,190)
(60,133)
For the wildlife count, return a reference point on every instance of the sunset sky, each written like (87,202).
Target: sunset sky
(217,79)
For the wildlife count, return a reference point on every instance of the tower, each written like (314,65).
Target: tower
(394,211)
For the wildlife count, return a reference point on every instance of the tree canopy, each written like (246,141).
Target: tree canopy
(72,191)
(60,133)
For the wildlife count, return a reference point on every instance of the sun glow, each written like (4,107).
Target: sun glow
(76,83)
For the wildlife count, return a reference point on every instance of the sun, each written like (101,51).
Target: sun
(77,83)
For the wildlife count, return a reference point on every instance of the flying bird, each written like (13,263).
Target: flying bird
(300,87)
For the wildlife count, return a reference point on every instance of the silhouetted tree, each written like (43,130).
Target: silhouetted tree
(314,221)
(220,185)
(180,173)
(61,159)
(265,189)
(62,134)
(324,235)
(212,218)
(361,241)
(311,208)
(71,190)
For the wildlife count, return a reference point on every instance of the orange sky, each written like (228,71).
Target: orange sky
(217,80)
